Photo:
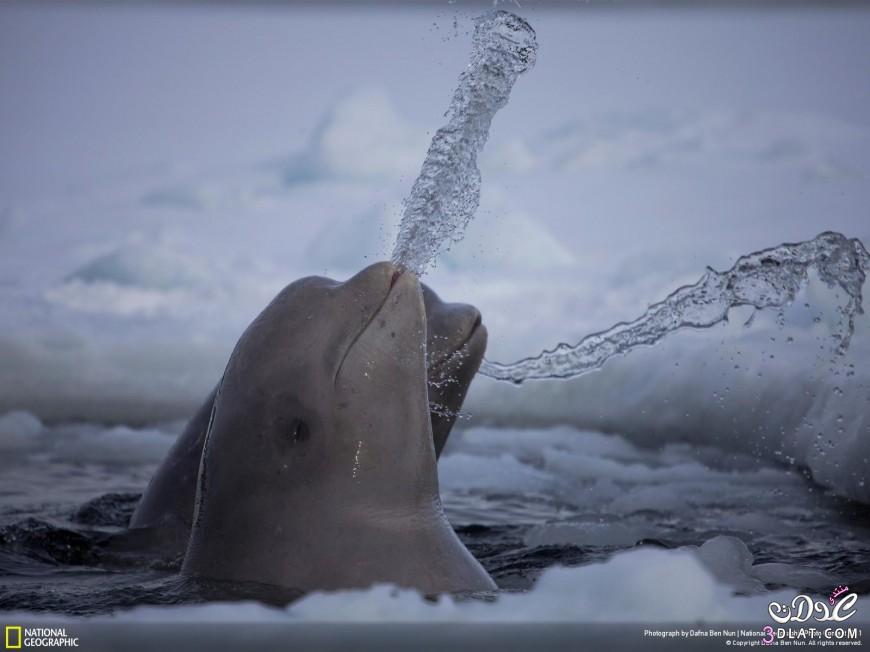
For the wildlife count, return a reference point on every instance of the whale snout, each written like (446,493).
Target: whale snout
(381,278)
(452,327)
(468,326)
(391,316)
(466,344)
(478,335)
(476,321)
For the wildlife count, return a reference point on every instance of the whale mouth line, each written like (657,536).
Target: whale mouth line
(394,279)
(448,357)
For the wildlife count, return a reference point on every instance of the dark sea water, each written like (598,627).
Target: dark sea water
(522,501)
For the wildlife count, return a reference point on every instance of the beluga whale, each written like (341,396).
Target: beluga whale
(455,344)
(318,470)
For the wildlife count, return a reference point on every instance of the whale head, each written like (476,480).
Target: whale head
(318,469)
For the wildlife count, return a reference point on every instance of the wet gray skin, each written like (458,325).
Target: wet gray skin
(318,470)
(455,343)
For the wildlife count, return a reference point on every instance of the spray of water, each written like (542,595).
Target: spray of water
(446,194)
(765,279)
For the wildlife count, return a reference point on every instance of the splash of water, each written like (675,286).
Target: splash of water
(446,194)
(765,279)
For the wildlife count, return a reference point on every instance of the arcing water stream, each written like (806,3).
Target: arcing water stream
(765,279)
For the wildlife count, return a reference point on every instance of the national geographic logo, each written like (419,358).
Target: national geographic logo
(13,637)
(18,637)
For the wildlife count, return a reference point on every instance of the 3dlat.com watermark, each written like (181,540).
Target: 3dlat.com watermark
(17,637)
(790,629)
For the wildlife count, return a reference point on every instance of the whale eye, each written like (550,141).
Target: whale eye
(298,431)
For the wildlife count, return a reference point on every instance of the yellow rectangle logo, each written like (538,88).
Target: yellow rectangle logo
(13,637)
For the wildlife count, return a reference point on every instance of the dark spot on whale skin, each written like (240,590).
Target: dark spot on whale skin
(298,431)
(382,323)
(393,334)
(342,405)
